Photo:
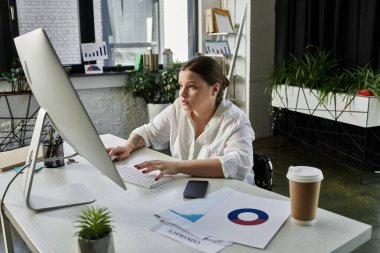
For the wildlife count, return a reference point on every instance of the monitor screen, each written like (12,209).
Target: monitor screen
(55,93)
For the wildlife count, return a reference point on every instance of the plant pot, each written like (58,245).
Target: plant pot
(153,110)
(360,111)
(18,105)
(102,245)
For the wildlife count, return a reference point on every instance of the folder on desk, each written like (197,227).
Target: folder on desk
(16,157)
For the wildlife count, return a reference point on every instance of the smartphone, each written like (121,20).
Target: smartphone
(195,189)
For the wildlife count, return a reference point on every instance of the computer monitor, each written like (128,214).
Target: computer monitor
(60,103)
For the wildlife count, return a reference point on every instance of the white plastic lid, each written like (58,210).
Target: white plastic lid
(304,174)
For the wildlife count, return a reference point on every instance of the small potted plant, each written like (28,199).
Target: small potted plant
(158,89)
(95,230)
(365,81)
(16,77)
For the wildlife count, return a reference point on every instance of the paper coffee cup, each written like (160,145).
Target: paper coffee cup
(304,186)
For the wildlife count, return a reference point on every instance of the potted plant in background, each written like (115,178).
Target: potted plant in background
(315,84)
(316,72)
(16,78)
(158,89)
(365,81)
(17,101)
(95,230)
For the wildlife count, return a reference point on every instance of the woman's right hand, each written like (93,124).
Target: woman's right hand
(119,152)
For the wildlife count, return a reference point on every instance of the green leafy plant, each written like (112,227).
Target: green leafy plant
(142,83)
(16,77)
(364,78)
(154,87)
(318,70)
(94,223)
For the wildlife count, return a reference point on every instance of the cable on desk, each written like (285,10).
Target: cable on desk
(21,170)
(9,184)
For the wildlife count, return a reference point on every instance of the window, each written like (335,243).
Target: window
(128,27)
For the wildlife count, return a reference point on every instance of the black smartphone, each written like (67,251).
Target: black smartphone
(195,189)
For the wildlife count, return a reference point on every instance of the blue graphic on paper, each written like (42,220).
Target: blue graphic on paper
(190,217)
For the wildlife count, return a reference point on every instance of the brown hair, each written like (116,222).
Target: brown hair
(209,70)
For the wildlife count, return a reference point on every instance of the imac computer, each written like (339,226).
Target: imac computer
(59,103)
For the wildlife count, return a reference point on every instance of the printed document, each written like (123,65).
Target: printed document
(244,219)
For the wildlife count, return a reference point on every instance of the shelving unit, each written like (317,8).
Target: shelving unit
(224,36)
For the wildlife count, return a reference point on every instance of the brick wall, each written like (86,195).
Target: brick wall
(98,20)
(60,20)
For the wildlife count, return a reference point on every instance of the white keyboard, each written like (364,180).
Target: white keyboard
(132,175)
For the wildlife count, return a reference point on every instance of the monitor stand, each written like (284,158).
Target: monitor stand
(53,197)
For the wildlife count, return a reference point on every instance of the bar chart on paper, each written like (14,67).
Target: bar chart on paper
(94,51)
(190,217)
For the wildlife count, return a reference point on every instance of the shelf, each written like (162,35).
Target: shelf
(219,55)
(220,34)
(229,59)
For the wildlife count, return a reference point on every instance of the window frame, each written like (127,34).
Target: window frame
(106,31)
(9,27)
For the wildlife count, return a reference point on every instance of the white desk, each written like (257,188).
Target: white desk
(133,211)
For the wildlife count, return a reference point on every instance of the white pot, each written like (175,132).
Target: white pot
(20,105)
(351,109)
(153,110)
(102,245)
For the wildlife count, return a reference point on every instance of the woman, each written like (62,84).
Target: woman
(209,135)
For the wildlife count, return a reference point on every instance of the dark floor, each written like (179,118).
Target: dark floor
(341,190)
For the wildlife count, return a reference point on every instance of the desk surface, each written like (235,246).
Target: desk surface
(133,211)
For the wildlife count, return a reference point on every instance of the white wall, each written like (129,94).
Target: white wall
(61,22)
(109,107)
(262,61)
(59,19)
(98,20)
(113,111)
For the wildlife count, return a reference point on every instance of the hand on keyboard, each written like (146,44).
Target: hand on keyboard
(132,175)
(162,167)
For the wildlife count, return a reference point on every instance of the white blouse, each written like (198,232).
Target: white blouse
(228,137)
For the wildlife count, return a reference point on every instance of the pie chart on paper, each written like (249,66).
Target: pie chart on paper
(261,217)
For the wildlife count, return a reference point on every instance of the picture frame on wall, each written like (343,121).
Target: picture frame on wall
(222,21)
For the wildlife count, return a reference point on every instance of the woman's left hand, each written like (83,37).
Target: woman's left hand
(166,167)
